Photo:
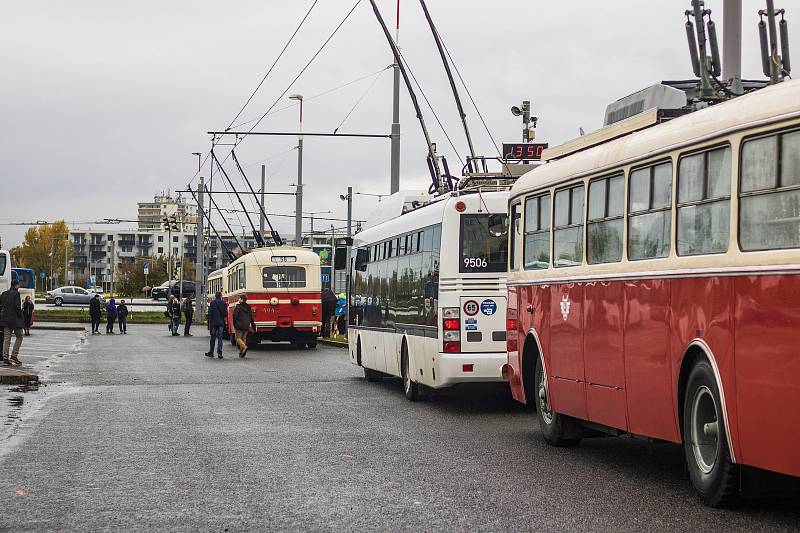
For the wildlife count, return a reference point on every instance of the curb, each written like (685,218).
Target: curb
(60,328)
(13,376)
(336,344)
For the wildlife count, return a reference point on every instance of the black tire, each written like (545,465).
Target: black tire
(312,345)
(557,429)
(59,302)
(372,375)
(705,443)
(411,389)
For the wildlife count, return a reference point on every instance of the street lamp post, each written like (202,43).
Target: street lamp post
(298,221)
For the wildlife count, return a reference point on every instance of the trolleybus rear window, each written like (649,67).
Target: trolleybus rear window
(484,243)
(284,276)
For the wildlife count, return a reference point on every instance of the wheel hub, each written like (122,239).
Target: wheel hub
(705,429)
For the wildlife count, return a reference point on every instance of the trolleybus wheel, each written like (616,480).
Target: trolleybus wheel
(557,429)
(411,389)
(705,443)
(312,345)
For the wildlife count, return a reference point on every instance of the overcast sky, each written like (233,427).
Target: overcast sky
(102,103)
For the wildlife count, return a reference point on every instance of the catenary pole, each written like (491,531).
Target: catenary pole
(395,153)
(199,267)
(732,44)
(262,216)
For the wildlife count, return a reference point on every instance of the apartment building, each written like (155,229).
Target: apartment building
(151,214)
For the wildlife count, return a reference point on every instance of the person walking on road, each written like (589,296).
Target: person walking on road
(217,313)
(341,314)
(12,321)
(94,313)
(188,313)
(174,313)
(328,310)
(242,322)
(122,315)
(27,315)
(111,316)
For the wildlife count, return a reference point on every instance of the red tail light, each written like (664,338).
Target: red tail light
(452,346)
(451,324)
(511,335)
(511,324)
(468,367)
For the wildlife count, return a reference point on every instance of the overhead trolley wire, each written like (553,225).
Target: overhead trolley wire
(297,29)
(363,95)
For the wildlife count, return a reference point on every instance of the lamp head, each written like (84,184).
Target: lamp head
(296,97)
(342,197)
(516,111)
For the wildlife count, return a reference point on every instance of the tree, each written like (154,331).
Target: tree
(43,250)
(130,279)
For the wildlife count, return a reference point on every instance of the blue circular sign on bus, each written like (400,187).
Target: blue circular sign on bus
(488,307)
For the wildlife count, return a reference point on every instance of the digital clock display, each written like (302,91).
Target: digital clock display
(523,151)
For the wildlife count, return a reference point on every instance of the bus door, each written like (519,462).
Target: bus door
(566,350)
(483,327)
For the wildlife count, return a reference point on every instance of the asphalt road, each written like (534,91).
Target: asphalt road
(141,432)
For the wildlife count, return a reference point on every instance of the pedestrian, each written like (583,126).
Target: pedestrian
(122,315)
(217,313)
(174,313)
(341,314)
(188,313)
(27,315)
(12,322)
(94,313)
(111,316)
(328,310)
(242,322)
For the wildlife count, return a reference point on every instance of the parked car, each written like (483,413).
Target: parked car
(70,295)
(173,287)
(162,291)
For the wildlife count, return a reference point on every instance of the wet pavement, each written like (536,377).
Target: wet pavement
(141,432)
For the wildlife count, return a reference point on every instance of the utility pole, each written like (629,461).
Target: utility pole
(395,154)
(298,221)
(112,268)
(732,44)
(349,247)
(262,218)
(199,266)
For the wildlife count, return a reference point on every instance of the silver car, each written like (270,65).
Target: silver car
(70,295)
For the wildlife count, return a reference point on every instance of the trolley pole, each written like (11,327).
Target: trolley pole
(199,267)
(732,44)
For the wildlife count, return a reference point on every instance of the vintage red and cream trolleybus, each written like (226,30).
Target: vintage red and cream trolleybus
(283,286)
(654,287)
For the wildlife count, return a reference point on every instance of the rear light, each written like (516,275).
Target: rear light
(452,346)
(451,323)
(512,332)
(450,335)
(295,301)
(511,324)
(451,312)
(467,367)
(461,206)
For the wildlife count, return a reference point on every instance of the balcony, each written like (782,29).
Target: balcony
(122,255)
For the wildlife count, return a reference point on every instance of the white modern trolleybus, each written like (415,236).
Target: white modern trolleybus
(428,293)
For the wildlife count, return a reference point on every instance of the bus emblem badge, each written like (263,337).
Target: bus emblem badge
(565,304)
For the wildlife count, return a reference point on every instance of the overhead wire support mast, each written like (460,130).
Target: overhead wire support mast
(230,254)
(446,64)
(259,239)
(230,229)
(434,162)
(275,236)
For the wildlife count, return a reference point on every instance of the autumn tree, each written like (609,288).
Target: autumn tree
(44,250)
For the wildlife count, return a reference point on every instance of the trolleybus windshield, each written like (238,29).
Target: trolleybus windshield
(484,243)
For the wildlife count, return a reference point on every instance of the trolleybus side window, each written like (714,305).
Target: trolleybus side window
(516,237)
(605,221)
(537,232)
(283,276)
(484,243)
(769,205)
(568,227)
(704,190)
(650,211)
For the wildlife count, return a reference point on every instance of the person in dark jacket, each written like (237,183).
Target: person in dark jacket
(188,313)
(27,315)
(328,309)
(94,313)
(174,312)
(111,316)
(122,316)
(217,314)
(243,321)
(12,322)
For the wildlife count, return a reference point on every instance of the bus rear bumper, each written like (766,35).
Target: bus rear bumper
(470,368)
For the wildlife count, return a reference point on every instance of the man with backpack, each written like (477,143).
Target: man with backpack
(242,322)
(12,322)
(174,314)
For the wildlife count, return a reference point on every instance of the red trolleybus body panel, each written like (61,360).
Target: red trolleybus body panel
(649,388)
(566,369)
(603,353)
(767,320)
